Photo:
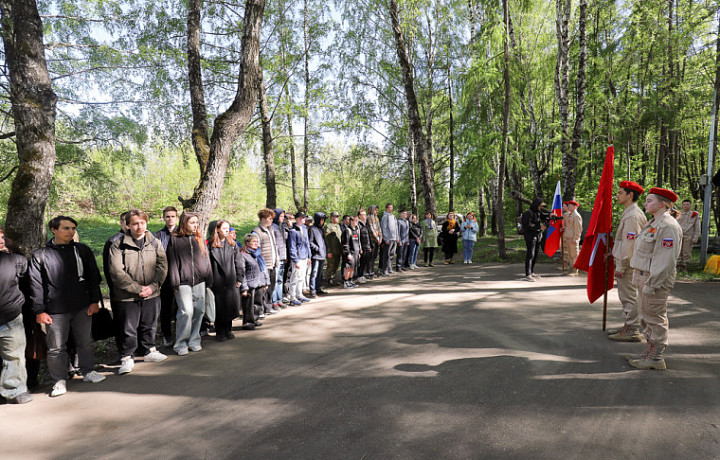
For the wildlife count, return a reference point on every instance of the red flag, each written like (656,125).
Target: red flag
(552,240)
(599,237)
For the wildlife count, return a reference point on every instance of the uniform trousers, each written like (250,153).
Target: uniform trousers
(686,251)
(653,311)
(628,294)
(571,249)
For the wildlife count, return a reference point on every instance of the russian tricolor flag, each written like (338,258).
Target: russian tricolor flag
(552,240)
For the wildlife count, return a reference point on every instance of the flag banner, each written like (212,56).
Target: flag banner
(598,239)
(552,240)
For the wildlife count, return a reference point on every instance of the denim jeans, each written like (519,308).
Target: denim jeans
(468,249)
(13,378)
(413,252)
(278,292)
(191,309)
(402,253)
(57,336)
(316,276)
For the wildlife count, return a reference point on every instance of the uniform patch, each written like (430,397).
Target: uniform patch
(694,214)
(652,230)
(630,236)
(668,242)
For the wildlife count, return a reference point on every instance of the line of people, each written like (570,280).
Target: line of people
(176,274)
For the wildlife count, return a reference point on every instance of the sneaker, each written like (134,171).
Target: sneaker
(181,351)
(537,277)
(469,262)
(529,278)
(221,337)
(229,335)
(93,377)
(204,333)
(59,388)
(195,347)
(347,285)
(22,398)
(431,264)
(295,303)
(155,356)
(447,262)
(126,365)
(248,327)
(312,295)
(261,316)
(653,360)
(272,311)
(361,280)
(303,299)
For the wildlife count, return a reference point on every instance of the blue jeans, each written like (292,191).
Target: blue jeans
(191,309)
(278,292)
(57,337)
(468,249)
(413,252)
(316,276)
(13,379)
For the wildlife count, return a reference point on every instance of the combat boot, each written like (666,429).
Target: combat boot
(626,334)
(653,360)
(640,355)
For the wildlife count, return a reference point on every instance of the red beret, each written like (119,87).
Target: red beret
(630,185)
(665,193)
(574,203)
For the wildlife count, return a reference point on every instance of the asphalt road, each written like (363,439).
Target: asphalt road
(444,363)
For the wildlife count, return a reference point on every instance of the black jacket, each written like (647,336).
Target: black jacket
(55,282)
(13,269)
(532,219)
(187,265)
(227,272)
(365,242)
(351,241)
(415,231)
(164,236)
(316,238)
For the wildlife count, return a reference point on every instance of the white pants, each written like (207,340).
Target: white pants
(297,279)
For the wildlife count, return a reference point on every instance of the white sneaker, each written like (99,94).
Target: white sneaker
(529,278)
(126,365)
(361,280)
(195,348)
(181,351)
(59,389)
(93,377)
(154,356)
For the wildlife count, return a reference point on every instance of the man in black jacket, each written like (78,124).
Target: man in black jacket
(13,378)
(318,251)
(168,309)
(365,246)
(351,250)
(65,291)
(533,224)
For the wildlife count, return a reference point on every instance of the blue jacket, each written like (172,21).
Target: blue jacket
(298,244)
(470,234)
(403,231)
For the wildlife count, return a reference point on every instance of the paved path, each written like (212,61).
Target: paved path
(450,362)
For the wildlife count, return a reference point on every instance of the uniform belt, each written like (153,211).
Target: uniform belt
(641,272)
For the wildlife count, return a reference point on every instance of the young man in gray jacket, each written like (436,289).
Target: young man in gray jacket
(391,238)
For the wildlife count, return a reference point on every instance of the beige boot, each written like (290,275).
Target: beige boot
(653,360)
(626,334)
(640,355)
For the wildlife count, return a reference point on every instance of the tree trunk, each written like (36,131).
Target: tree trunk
(306,138)
(562,85)
(425,161)
(413,179)
(572,161)
(199,134)
(267,144)
(33,104)
(451,187)
(499,198)
(293,165)
(482,215)
(229,124)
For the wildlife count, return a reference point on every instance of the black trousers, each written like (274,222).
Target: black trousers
(138,321)
(373,257)
(365,267)
(168,309)
(532,243)
(402,252)
(267,294)
(248,305)
(428,254)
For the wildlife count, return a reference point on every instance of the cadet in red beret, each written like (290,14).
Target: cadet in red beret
(657,249)
(689,221)
(571,235)
(631,222)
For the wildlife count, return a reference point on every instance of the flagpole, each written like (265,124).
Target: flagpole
(607,265)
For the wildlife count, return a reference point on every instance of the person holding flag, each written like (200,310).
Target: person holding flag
(631,222)
(552,239)
(533,225)
(657,249)
(573,226)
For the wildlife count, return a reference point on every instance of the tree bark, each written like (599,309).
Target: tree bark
(267,144)
(562,85)
(306,138)
(482,215)
(229,124)
(413,179)
(424,159)
(199,134)
(572,160)
(33,104)
(499,198)
(451,127)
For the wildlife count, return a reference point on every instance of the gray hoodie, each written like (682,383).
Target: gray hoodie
(389,226)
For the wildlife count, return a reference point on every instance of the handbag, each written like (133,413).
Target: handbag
(103,324)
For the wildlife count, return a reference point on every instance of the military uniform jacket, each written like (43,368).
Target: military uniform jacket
(631,222)
(690,224)
(657,248)
(573,227)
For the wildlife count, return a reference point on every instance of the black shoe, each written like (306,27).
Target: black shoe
(220,337)
(312,295)
(321,292)
(229,335)
(258,324)
(248,327)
